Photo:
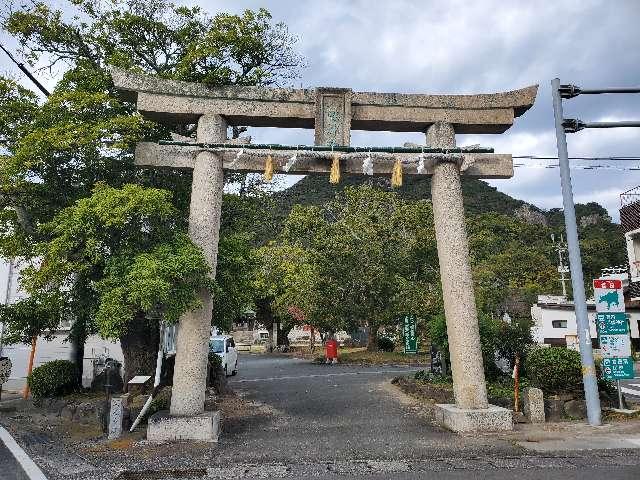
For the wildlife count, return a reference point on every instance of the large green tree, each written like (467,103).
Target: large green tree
(55,151)
(123,242)
(364,259)
(512,261)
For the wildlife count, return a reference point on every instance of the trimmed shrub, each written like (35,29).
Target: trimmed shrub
(385,344)
(554,370)
(53,379)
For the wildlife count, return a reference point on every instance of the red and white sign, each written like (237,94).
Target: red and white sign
(608,295)
(606,284)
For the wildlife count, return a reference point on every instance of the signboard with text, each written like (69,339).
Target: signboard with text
(612,323)
(617,368)
(613,346)
(410,334)
(613,329)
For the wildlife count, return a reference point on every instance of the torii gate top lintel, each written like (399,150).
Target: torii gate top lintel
(333,112)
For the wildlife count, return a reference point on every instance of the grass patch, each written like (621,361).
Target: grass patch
(428,386)
(361,356)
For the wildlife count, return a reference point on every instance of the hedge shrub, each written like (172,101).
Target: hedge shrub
(385,344)
(53,379)
(554,369)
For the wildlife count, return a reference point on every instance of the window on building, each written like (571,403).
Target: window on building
(559,324)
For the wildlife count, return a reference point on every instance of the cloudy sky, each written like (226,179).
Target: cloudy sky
(459,46)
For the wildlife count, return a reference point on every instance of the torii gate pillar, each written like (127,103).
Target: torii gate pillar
(471,411)
(187,419)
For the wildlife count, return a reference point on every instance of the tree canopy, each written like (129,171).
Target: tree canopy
(114,241)
(362,260)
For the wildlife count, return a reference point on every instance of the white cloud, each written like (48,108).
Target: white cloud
(472,47)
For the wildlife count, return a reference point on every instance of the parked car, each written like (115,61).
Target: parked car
(225,348)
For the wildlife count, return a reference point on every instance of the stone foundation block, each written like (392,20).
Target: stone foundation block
(490,419)
(533,400)
(163,427)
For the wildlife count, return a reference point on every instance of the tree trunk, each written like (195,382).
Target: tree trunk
(264,314)
(140,347)
(372,341)
(77,339)
(283,335)
(32,354)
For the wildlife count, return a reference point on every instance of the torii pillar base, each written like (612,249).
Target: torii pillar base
(164,427)
(461,420)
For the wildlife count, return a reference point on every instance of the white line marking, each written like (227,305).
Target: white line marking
(630,391)
(635,441)
(297,377)
(28,465)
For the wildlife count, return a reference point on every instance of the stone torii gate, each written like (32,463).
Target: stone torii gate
(333,113)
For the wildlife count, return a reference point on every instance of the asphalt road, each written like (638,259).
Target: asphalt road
(329,412)
(326,412)
(342,423)
(346,422)
(9,467)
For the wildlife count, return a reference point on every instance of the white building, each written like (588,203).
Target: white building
(46,351)
(554,321)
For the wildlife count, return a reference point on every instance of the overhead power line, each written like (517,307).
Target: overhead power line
(24,70)
(578,167)
(630,158)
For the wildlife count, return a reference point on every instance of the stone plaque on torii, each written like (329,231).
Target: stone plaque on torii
(333,113)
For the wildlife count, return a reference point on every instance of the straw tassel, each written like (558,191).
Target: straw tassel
(268,169)
(396,175)
(334,177)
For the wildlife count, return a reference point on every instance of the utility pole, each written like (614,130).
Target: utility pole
(564,126)
(590,381)
(561,248)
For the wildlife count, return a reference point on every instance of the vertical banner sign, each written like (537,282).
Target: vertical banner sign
(613,329)
(410,335)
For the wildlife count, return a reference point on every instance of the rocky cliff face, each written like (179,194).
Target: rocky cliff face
(531,215)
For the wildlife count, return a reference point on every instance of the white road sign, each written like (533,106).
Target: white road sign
(615,346)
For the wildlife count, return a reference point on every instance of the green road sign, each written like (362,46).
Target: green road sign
(410,335)
(612,323)
(617,368)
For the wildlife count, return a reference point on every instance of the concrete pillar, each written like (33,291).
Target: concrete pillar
(469,386)
(192,345)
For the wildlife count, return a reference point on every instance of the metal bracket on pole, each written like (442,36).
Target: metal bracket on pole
(573,125)
(569,91)
(590,381)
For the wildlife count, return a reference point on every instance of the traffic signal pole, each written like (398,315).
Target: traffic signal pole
(589,378)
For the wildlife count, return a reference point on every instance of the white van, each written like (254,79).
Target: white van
(225,348)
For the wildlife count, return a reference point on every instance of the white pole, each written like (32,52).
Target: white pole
(156,380)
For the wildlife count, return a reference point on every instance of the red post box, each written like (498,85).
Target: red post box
(331,350)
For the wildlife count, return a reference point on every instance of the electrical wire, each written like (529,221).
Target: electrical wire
(629,158)
(578,167)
